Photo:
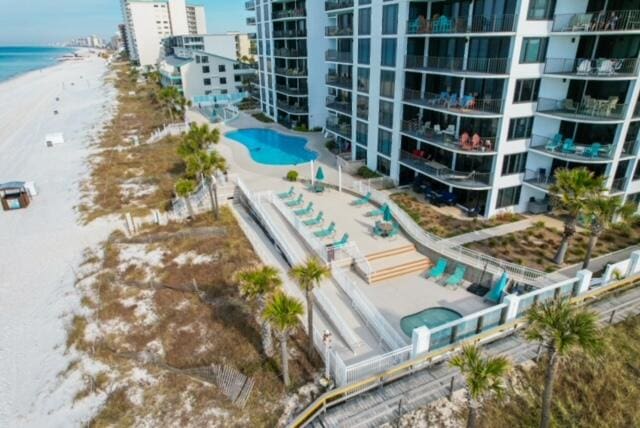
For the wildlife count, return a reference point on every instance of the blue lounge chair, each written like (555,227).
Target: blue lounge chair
(453,101)
(305,211)
(568,146)
(555,143)
(438,270)
(325,233)
(593,151)
(414,26)
(296,202)
(377,212)
(362,201)
(315,221)
(286,195)
(341,243)
(457,277)
(495,294)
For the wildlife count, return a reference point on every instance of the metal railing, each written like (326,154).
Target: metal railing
(289,13)
(601,67)
(291,72)
(587,108)
(610,20)
(250,5)
(541,177)
(478,24)
(337,4)
(289,33)
(339,56)
(290,53)
(343,106)
(289,90)
(472,179)
(346,332)
(345,82)
(337,31)
(341,128)
(455,64)
(453,102)
(470,325)
(579,151)
(292,108)
(417,129)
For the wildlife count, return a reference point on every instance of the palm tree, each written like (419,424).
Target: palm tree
(198,138)
(560,327)
(482,375)
(282,313)
(202,165)
(309,275)
(602,211)
(184,188)
(571,190)
(173,100)
(258,285)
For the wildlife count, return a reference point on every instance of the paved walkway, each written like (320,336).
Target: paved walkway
(380,405)
(492,232)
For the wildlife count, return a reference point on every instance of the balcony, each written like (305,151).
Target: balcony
(446,139)
(343,106)
(455,65)
(362,111)
(344,82)
(252,36)
(292,108)
(588,110)
(452,103)
(339,56)
(335,31)
(479,24)
(250,5)
(539,178)
(605,68)
(337,4)
(290,53)
(288,14)
(292,91)
(603,21)
(629,148)
(251,20)
(289,34)
(566,149)
(462,179)
(291,72)
(341,128)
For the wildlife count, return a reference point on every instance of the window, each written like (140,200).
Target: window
(388,53)
(363,79)
(520,127)
(237,78)
(223,80)
(364,21)
(387,80)
(207,82)
(205,69)
(384,142)
(198,59)
(534,49)
(541,9)
(508,196)
(362,130)
(390,19)
(526,90)
(224,92)
(361,153)
(514,164)
(205,60)
(364,49)
(384,166)
(386,114)
(222,68)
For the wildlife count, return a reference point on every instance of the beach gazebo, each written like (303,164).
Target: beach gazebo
(14,195)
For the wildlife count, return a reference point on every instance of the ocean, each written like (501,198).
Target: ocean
(21,59)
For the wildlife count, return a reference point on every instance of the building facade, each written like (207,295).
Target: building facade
(479,100)
(148,22)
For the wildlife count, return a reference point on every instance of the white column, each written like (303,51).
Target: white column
(420,338)
(512,309)
(312,176)
(634,263)
(584,280)
(340,178)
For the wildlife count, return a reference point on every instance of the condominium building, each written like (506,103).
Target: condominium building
(147,22)
(480,101)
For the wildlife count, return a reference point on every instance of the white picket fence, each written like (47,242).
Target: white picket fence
(171,129)
(200,199)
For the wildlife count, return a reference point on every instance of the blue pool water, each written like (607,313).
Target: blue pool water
(21,59)
(273,148)
(432,317)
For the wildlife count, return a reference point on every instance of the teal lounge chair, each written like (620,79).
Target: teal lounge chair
(305,211)
(593,151)
(457,277)
(376,213)
(286,195)
(362,201)
(555,143)
(315,221)
(341,243)
(394,232)
(568,146)
(438,270)
(318,187)
(325,233)
(497,290)
(296,202)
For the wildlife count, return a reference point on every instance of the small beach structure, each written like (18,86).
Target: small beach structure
(54,139)
(15,195)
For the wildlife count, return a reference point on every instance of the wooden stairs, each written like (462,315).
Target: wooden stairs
(396,262)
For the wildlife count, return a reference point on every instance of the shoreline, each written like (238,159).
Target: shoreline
(18,75)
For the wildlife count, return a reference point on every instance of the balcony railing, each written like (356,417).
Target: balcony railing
(363,111)
(290,53)
(478,24)
(589,108)
(345,82)
(293,91)
(467,179)
(339,56)
(453,103)
(292,108)
(251,20)
(291,72)
(279,34)
(337,4)
(540,178)
(334,103)
(456,64)
(446,138)
(289,13)
(636,110)
(341,128)
(250,5)
(629,148)
(601,67)
(335,31)
(611,20)
(567,149)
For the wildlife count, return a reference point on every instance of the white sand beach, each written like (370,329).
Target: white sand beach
(41,246)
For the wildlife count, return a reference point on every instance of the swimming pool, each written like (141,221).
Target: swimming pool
(273,148)
(432,317)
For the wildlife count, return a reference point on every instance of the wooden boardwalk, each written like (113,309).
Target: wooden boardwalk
(377,406)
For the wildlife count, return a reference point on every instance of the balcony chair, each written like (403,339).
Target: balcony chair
(457,277)
(568,146)
(286,195)
(414,26)
(442,25)
(611,105)
(451,130)
(443,98)
(436,129)
(468,102)
(438,270)
(555,144)
(584,68)
(326,233)
(315,221)
(605,67)
(592,151)
(446,198)
(465,141)
(341,243)
(453,101)
(304,211)
(296,202)
(362,201)
(570,106)
(377,212)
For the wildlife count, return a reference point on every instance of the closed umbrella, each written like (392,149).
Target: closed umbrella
(320,174)
(386,214)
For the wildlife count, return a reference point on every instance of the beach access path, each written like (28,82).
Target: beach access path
(41,246)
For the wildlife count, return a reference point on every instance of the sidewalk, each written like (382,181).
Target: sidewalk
(492,232)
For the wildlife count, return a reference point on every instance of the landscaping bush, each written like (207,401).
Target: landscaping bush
(262,117)
(301,128)
(292,175)
(365,172)
(331,145)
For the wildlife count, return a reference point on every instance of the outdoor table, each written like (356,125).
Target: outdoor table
(385,228)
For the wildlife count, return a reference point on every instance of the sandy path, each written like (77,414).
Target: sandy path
(40,246)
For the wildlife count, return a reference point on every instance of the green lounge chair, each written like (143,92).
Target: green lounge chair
(296,202)
(438,270)
(341,243)
(325,233)
(286,195)
(315,221)
(376,213)
(305,211)
(362,201)
(457,277)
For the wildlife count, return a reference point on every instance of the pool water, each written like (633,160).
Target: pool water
(273,148)
(432,317)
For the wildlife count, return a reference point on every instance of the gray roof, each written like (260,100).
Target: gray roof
(177,62)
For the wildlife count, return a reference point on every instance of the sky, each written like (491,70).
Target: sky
(39,22)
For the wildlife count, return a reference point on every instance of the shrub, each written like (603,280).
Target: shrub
(262,117)
(539,224)
(331,145)
(292,175)
(365,172)
(301,128)
(317,129)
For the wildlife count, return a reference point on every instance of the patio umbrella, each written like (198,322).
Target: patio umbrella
(320,174)
(386,214)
